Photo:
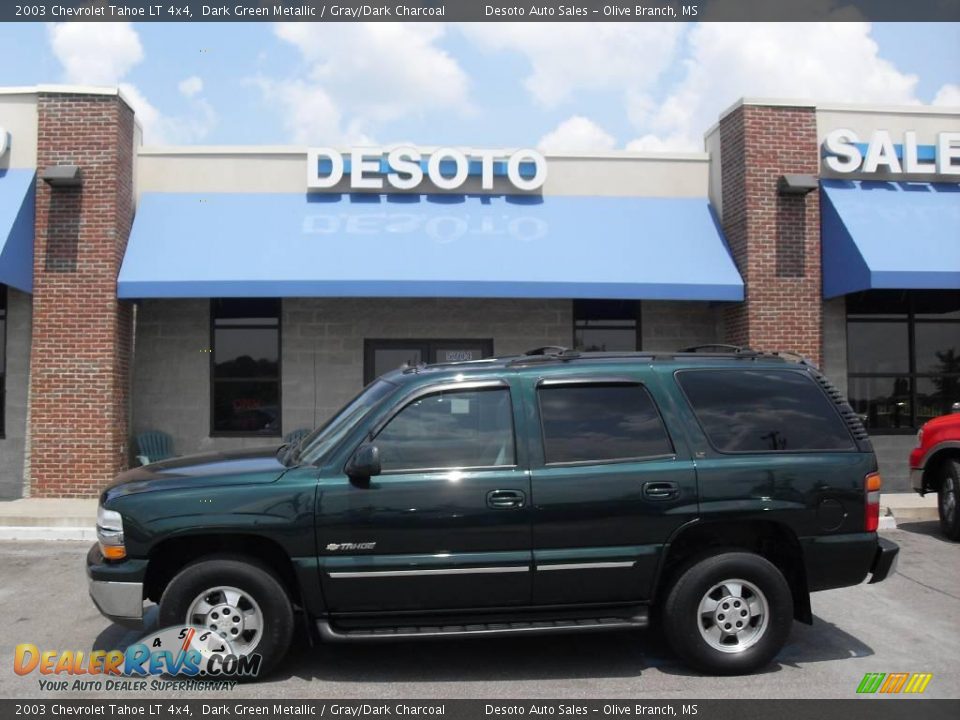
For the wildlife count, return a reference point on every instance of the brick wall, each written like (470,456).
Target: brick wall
(775,240)
(79,365)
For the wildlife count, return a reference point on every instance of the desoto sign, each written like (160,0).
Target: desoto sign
(843,152)
(405,168)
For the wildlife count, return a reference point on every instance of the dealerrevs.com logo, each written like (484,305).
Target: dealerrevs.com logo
(191,654)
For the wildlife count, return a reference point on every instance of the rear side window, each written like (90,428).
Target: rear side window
(583,423)
(763,411)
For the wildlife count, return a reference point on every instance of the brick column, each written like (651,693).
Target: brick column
(775,239)
(82,335)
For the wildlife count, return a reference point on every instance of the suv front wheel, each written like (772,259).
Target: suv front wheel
(237,598)
(728,614)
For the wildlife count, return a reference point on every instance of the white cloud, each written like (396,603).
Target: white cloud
(726,61)
(104,54)
(575,134)
(95,53)
(363,75)
(190,86)
(310,115)
(948,95)
(566,58)
(161,129)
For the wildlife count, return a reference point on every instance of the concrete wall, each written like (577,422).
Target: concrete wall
(676,325)
(12,447)
(322,353)
(18,116)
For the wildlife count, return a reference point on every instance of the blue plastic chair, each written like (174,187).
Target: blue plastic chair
(295,436)
(153,446)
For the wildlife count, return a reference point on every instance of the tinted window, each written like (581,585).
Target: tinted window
(763,410)
(457,429)
(600,422)
(606,325)
(246,366)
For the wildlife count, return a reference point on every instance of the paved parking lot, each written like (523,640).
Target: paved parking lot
(908,623)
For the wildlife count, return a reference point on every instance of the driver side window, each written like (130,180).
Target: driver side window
(450,429)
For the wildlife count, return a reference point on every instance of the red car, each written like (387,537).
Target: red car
(935,467)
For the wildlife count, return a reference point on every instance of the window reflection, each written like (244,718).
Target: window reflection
(246,366)
(903,356)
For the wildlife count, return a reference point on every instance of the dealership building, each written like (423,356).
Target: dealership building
(230,296)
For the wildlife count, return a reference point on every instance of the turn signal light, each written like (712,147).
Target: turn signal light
(871,486)
(113,552)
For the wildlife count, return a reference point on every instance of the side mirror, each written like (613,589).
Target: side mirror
(365,462)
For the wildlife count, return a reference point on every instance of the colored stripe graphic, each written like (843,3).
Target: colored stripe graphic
(870,683)
(893,683)
(918,682)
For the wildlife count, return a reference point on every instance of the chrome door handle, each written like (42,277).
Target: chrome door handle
(660,490)
(500,499)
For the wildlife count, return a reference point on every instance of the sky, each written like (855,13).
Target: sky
(558,86)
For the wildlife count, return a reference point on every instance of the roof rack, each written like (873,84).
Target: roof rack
(722,347)
(548,350)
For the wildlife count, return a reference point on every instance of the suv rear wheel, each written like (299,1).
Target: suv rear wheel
(728,614)
(236,598)
(947,499)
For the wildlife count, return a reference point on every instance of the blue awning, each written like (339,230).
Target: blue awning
(894,235)
(16,228)
(288,245)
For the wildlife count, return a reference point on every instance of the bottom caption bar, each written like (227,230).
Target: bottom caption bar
(877,709)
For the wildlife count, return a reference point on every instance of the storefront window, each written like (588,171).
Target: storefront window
(606,325)
(903,356)
(245,367)
(3,357)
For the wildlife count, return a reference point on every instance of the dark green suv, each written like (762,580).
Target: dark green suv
(555,491)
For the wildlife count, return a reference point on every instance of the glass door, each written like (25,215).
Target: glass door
(382,356)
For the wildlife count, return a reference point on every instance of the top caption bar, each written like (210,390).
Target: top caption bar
(485,10)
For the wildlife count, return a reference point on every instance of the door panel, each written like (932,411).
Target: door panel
(596,536)
(599,526)
(447,524)
(436,542)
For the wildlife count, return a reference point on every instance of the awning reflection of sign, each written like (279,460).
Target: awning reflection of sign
(443,245)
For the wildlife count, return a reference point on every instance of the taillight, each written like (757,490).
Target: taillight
(871,486)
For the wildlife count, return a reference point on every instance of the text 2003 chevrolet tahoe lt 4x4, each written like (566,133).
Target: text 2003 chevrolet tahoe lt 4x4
(554,491)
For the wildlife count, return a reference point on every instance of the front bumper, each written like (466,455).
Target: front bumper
(885,560)
(916,480)
(116,588)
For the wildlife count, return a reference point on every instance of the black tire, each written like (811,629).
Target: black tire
(248,576)
(682,620)
(947,498)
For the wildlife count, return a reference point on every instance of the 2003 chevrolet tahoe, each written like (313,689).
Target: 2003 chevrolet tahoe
(709,492)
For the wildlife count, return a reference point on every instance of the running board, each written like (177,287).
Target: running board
(491,629)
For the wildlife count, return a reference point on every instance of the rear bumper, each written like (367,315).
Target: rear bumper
(884,560)
(116,589)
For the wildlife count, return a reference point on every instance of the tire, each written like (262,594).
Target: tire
(948,497)
(764,605)
(239,582)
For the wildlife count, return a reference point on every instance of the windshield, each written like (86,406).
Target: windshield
(315,445)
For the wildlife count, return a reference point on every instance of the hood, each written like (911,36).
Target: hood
(237,467)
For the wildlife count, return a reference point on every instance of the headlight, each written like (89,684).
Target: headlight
(919,437)
(110,534)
